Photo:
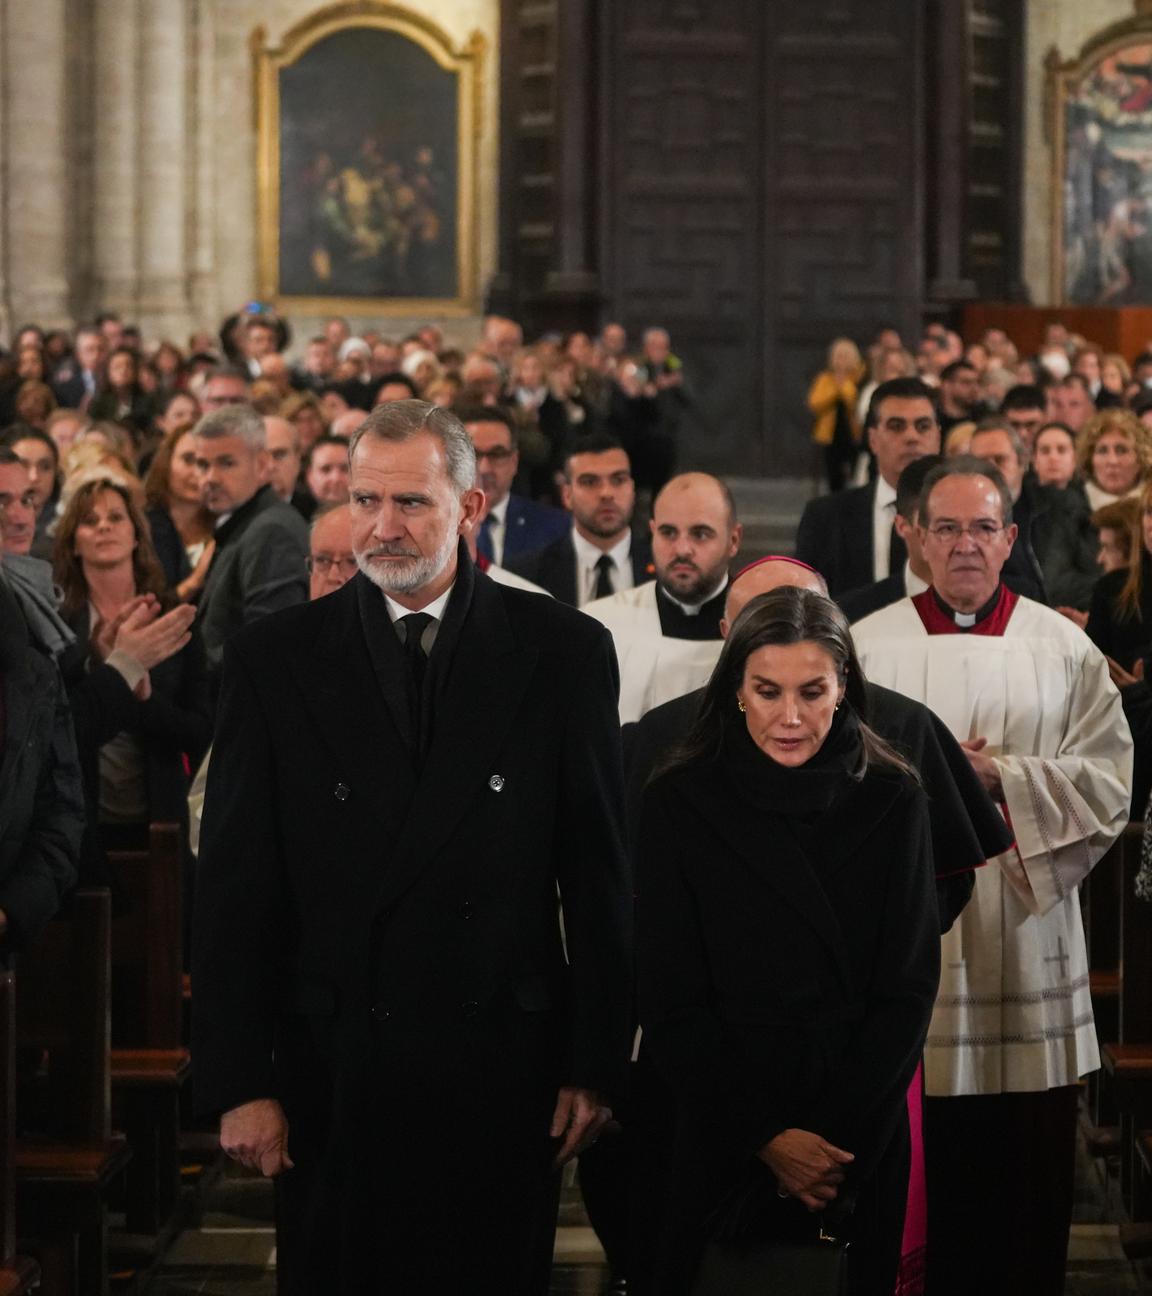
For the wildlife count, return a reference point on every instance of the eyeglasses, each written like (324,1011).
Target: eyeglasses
(498,455)
(323,563)
(984,533)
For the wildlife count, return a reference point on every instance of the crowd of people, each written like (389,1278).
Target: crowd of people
(457,743)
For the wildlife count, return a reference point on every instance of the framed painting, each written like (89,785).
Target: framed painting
(1100,107)
(368,121)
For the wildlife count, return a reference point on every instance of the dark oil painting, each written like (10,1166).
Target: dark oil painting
(368,170)
(1107,181)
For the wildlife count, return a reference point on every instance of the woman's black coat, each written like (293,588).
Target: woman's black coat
(174,723)
(780,993)
(1123,637)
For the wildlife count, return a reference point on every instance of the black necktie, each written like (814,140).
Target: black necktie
(484,539)
(415,623)
(897,554)
(605,566)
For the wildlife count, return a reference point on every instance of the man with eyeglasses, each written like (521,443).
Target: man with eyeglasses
(1030,700)
(511,526)
(331,561)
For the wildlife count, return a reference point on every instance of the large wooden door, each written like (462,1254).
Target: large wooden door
(763,169)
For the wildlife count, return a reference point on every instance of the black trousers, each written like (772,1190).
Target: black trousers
(1001,1172)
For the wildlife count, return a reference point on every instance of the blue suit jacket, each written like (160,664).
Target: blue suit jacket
(530,527)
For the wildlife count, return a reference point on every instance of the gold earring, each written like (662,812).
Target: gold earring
(740,704)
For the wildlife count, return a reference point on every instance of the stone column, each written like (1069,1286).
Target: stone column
(165,170)
(116,207)
(33,93)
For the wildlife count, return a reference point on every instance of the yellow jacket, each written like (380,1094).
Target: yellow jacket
(822,397)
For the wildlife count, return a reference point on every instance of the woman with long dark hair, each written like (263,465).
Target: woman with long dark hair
(788,950)
(136,680)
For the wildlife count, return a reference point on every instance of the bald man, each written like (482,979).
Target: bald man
(667,630)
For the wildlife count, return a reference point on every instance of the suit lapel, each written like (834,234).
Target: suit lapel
(562,576)
(489,675)
(359,710)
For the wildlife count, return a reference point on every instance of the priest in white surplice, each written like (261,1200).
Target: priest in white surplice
(667,631)
(1030,699)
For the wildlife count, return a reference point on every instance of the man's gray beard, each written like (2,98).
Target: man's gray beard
(393,578)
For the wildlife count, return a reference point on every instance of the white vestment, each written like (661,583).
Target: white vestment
(1014,1013)
(653,668)
(502,576)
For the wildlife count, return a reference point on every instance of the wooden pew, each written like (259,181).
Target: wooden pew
(66,1154)
(18,1274)
(149,1060)
(1127,1057)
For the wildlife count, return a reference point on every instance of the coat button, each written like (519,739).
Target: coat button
(469,1008)
(381,1013)
(496,782)
(466,909)
(342,791)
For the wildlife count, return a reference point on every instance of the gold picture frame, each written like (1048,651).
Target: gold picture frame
(1098,114)
(364,200)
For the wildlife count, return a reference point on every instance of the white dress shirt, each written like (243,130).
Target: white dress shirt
(588,555)
(883,511)
(435,610)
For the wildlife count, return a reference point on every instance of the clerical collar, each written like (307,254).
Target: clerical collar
(992,619)
(966,620)
(694,609)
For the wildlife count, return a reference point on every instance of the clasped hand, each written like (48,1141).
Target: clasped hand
(255,1134)
(806,1166)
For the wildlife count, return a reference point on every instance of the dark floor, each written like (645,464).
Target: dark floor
(228,1248)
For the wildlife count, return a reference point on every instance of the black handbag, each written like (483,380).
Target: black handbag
(817,1268)
(742,1259)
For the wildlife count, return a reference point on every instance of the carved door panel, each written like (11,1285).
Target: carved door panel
(763,193)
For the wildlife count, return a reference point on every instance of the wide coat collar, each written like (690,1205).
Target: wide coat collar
(22,676)
(775,856)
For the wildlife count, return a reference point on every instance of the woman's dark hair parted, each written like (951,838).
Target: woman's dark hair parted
(782,617)
(68,570)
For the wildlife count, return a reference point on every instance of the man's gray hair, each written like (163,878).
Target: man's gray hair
(966,466)
(998,423)
(233,421)
(404,419)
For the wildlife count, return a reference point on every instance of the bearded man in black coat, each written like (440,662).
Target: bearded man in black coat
(388,1015)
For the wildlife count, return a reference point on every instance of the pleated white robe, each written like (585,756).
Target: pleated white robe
(653,668)
(1014,1012)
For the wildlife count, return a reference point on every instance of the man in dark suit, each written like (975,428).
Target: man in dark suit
(914,576)
(41,797)
(261,542)
(848,537)
(407,773)
(998,442)
(598,554)
(75,382)
(511,527)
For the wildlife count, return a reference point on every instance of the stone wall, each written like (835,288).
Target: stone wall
(128,151)
(1067,25)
